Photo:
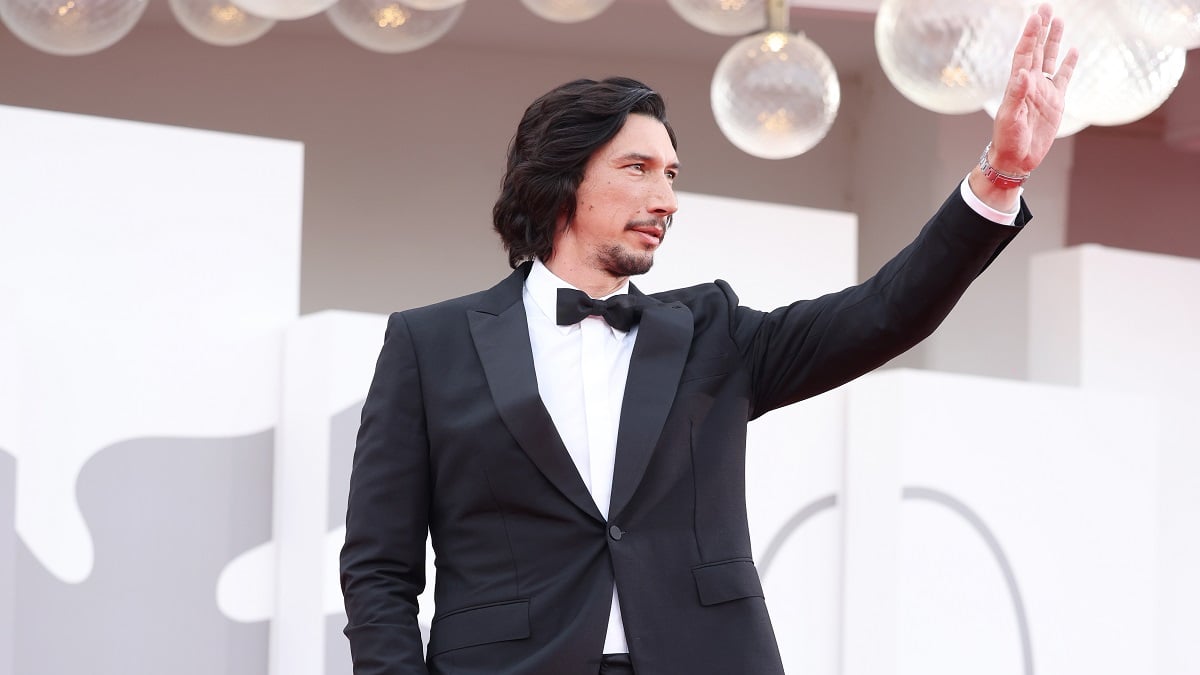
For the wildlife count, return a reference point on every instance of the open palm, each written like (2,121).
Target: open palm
(1032,107)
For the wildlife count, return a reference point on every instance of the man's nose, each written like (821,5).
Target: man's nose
(663,202)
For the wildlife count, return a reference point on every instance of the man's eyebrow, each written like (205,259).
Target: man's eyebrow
(640,157)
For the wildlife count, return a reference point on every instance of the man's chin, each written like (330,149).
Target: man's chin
(631,267)
(622,262)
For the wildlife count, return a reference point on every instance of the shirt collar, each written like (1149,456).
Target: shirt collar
(542,286)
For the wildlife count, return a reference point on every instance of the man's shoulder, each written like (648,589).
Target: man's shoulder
(495,299)
(450,305)
(716,292)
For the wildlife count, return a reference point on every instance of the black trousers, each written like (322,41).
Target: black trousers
(616,664)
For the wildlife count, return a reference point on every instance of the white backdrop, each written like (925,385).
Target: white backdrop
(147,275)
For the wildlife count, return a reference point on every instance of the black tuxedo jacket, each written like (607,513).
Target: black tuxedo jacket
(455,440)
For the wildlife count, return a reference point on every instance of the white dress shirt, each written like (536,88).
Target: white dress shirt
(581,371)
(977,205)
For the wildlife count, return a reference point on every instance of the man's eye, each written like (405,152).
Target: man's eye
(637,167)
(672,174)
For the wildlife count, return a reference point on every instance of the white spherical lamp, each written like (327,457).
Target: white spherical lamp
(433,5)
(391,26)
(1123,74)
(723,17)
(775,94)
(284,10)
(71,27)
(948,56)
(219,22)
(567,11)
(1172,22)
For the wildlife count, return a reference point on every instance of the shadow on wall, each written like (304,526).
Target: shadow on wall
(166,514)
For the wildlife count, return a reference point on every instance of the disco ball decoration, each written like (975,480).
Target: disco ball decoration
(433,5)
(567,11)
(1172,22)
(391,26)
(723,17)
(775,95)
(219,22)
(948,56)
(284,10)
(1123,75)
(71,27)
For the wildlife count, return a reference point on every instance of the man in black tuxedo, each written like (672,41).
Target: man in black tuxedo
(580,464)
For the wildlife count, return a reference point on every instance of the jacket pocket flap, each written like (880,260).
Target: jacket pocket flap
(481,625)
(729,580)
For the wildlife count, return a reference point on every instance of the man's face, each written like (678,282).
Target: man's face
(623,202)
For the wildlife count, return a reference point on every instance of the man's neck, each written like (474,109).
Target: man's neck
(596,283)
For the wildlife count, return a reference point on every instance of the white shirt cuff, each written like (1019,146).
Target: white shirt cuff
(977,205)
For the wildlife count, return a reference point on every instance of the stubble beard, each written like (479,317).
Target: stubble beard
(620,262)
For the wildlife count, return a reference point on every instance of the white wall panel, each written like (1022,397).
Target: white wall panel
(147,273)
(1113,319)
(1116,320)
(1015,527)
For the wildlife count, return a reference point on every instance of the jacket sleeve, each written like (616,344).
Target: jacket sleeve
(383,559)
(812,346)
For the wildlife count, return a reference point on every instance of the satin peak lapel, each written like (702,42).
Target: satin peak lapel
(663,341)
(501,338)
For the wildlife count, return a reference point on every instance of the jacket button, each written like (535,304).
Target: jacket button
(616,533)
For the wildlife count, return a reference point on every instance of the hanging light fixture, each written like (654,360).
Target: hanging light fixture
(219,22)
(71,27)
(1123,74)
(953,57)
(775,94)
(567,11)
(1172,22)
(391,26)
(948,56)
(433,5)
(723,17)
(284,10)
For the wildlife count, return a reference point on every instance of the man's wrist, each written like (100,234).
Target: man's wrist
(1005,180)
(1004,200)
(989,209)
(996,188)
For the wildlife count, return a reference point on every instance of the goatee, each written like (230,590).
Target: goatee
(620,262)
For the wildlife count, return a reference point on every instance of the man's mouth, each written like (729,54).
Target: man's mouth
(652,231)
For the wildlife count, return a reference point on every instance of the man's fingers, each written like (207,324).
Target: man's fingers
(1044,14)
(1063,77)
(1053,45)
(1026,46)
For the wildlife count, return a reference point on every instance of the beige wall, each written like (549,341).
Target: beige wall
(1130,192)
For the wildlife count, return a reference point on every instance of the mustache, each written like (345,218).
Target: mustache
(658,223)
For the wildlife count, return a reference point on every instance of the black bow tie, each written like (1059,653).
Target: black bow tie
(620,311)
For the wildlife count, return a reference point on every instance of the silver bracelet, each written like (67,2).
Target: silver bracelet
(998,178)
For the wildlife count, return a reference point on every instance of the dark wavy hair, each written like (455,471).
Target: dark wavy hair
(556,137)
